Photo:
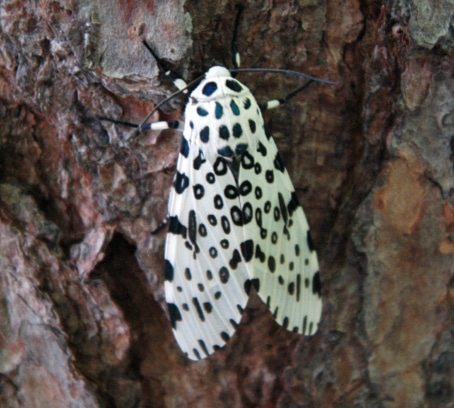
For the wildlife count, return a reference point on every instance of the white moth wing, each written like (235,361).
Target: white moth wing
(204,293)
(285,266)
(234,219)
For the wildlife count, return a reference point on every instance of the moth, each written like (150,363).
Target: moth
(234,221)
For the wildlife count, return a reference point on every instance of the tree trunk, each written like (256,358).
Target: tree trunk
(83,317)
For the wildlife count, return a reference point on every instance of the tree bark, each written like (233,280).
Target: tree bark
(82,311)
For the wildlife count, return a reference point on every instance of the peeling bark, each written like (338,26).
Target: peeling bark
(83,320)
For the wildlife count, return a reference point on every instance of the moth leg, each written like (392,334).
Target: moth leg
(161,226)
(179,82)
(161,125)
(274,103)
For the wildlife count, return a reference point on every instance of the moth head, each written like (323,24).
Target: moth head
(217,72)
(216,84)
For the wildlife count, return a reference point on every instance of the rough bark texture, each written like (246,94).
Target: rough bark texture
(82,317)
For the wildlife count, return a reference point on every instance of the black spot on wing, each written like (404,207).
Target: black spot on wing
(169,271)
(199,160)
(242,217)
(203,347)
(311,327)
(224,132)
(298,287)
(213,252)
(209,88)
(267,207)
(203,230)
(236,259)
(208,307)
(278,164)
(234,107)
(251,283)
(188,274)
(176,227)
(225,224)
(245,188)
(181,182)
(269,176)
(317,284)
(267,132)
(199,191)
(218,202)
(220,166)
(202,112)
(248,213)
(293,203)
(285,322)
(174,314)
(199,310)
(258,217)
(204,135)
(247,161)
(283,207)
(225,151)
(224,275)
(218,111)
(192,227)
(235,213)
(240,148)
(259,253)
(271,264)
(224,336)
(233,323)
(310,243)
(231,191)
(212,220)
(252,125)
(261,149)
(247,249)
(184,148)
(233,85)
(237,130)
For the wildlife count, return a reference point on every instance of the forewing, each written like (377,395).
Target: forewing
(205,278)
(285,267)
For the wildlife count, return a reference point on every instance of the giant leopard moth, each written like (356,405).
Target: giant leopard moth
(234,219)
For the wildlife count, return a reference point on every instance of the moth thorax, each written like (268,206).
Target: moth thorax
(217,72)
